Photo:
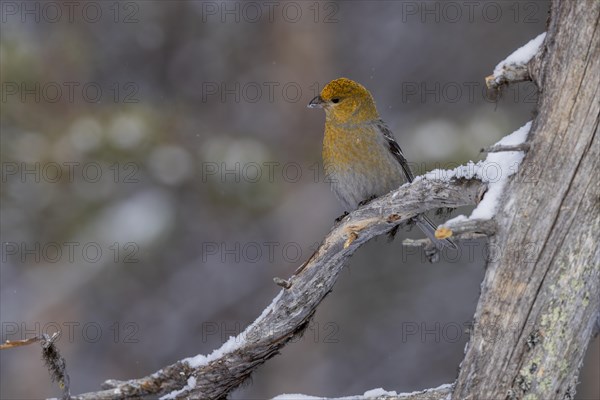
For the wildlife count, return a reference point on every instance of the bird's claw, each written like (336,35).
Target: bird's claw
(367,201)
(341,217)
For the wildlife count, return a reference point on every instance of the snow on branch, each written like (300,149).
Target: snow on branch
(215,375)
(514,67)
(438,393)
(495,170)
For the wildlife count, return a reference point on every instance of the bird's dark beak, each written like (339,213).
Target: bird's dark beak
(317,102)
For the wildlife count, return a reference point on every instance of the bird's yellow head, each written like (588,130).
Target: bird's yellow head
(346,101)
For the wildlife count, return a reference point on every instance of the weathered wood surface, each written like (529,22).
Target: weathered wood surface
(542,295)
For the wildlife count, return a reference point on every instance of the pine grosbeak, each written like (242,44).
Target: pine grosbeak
(360,155)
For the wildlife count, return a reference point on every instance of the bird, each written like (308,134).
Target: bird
(361,158)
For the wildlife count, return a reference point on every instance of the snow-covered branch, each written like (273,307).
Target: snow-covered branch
(494,171)
(214,375)
(438,393)
(515,68)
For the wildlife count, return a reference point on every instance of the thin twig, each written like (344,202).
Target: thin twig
(499,148)
(486,227)
(9,344)
(457,238)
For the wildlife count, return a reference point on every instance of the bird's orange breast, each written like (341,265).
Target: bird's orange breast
(352,147)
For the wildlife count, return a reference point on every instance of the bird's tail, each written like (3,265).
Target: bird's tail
(428,228)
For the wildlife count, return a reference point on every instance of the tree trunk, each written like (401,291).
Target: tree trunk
(540,298)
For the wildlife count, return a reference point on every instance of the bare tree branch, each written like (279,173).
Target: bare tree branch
(468,229)
(497,148)
(512,74)
(11,344)
(485,227)
(291,311)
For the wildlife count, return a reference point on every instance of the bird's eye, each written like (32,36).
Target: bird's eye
(335,100)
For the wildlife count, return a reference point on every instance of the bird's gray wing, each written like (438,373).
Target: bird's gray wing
(395,149)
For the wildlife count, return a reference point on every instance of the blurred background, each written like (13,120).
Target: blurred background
(160,167)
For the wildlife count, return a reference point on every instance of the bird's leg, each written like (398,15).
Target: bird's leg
(341,217)
(367,200)
(392,233)
(362,203)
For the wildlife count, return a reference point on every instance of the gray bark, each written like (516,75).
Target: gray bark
(542,295)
